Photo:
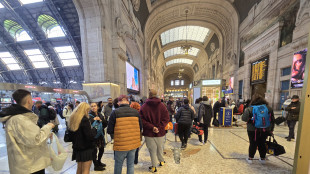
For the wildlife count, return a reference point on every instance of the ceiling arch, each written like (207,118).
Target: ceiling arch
(175,69)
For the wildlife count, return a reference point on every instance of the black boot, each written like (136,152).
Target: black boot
(101,164)
(99,168)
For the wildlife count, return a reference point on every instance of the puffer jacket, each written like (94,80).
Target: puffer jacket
(247,117)
(185,115)
(126,125)
(66,112)
(293,114)
(26,143)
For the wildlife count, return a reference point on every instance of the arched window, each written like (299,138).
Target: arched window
(16,31)
(50,26)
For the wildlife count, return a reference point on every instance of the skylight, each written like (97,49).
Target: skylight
(182,60)
(1,6)
(55,32)
(30,1)
(67,56)
(16,30)
(179,51)
(194,33)
(37,59)
(9,61)
(50,26)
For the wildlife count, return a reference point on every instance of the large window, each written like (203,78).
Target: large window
(194,33)
(177,82)
(240,89)
(67,56)
(37,59)
(172,83)
(285,85)
(30,1)
(180,60)
(178,51)
(9,61)
(50,26)
(1,6)
(16,31)
(286,71)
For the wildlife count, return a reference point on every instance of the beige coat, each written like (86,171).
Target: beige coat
(26,143)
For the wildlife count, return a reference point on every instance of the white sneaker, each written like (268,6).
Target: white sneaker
(262,161)
(250,161)
(200,144)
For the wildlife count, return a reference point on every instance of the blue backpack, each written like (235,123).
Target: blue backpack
(97,125)
(261,118)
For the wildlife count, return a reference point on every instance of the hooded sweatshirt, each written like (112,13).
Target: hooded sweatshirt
(26,142)
(205,112)
(154,114)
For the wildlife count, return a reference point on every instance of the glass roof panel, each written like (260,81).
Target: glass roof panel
(70,62)
(40,64)
(5,54)
(22,36)
(194,33)
(16,30)
(30,1)
(14,67)
(178,51)
(55,32)
(33,52)
(179,60)
(37,58)
(1,6)
(67,55)
(63,49)
(9,60)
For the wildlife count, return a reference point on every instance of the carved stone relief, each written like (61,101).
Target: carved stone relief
(136,4)
(304,11)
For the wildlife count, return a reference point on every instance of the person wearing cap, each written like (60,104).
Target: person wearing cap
(155,118)
(293,116)
(126,125)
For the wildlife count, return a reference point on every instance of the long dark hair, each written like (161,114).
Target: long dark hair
(257,99)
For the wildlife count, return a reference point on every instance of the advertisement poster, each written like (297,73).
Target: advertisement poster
(259,71)
(298,69)
(132,77)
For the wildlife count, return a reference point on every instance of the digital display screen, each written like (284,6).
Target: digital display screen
(132,74)
(259,71)
(211,82)
(6,100)
(298,69)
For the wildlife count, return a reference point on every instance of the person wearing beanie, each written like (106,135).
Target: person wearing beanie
(293,116)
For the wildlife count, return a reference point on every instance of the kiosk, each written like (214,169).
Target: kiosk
(210,88)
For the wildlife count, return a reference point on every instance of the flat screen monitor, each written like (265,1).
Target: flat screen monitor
(298,69)
(132,74)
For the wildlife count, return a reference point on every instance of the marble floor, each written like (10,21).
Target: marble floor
(225,152)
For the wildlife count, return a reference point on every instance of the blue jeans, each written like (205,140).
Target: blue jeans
(119,157)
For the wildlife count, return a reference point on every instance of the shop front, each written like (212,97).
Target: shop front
(210,88)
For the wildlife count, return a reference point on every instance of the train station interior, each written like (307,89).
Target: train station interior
(64,51)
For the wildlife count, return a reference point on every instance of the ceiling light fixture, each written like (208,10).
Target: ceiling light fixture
(187,47)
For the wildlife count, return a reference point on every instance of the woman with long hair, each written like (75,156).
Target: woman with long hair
(83,138)
(95,115)
(257,136)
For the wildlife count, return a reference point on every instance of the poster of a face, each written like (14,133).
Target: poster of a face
(298,69)
(231,83)
(132,77)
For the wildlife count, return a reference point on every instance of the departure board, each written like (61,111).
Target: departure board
(259,71)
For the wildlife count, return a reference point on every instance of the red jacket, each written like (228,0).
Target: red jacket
(154,114)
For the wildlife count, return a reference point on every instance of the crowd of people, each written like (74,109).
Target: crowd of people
(29,126)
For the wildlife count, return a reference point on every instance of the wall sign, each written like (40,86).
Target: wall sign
(259,71)
(211,82)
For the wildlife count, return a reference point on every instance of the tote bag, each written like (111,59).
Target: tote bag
(57,153)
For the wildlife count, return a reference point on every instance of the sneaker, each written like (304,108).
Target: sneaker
(152,169)
(101,164)
(249,160)
(99,168)
(200,144)
(162,163)
(262,161)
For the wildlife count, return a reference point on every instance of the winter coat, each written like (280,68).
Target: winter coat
(216,107)
(26,143)
(196,107)
(107,111)
(45,116)
(84,137)
(103,120)
(125,123)
(66,112)
(293,114)
(185,115)
(170,107)
(205,112)
(154,114)
(247,117)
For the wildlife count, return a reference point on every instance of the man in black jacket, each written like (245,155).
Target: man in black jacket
(204,118)
(293,116)
(184,117)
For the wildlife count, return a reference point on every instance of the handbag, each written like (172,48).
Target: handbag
(68,136)
(273,148)
(279,120)
(57,153)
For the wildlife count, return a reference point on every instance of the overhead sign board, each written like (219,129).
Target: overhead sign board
(211,82)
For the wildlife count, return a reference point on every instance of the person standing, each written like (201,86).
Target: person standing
(107,112)
(36,107)
(204,118)
(136,106)
(292,116)
(216,108)
(46,115)
(257,136)
(125,122)
(67,111)
(26,142)
(154,117)
(95,115)
(83,143)
(171,107)
(184,118)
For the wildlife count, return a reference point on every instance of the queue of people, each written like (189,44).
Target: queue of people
(126,121)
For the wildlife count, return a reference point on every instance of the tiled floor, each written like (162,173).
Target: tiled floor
(225,152)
